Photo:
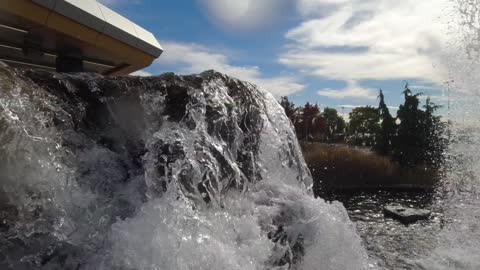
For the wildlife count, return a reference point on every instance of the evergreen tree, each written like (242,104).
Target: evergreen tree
(434,130)
(408,146)
(385,134)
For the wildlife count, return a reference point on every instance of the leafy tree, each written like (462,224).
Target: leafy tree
(308,125)
(363,125)
(334,124)
(386,132)
(289,107)
(308,121)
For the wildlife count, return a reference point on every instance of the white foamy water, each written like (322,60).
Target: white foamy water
(175,234)
(458,244)
(121,181)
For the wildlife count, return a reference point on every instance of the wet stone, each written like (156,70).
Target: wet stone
(406,215)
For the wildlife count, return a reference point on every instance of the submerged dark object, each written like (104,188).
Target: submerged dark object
(406,215)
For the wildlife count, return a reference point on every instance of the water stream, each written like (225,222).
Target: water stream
(169,172)
(205,172)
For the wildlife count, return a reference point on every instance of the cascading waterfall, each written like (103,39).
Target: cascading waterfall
(169,172)
(457,244)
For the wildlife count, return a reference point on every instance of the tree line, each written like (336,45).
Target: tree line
(416,136)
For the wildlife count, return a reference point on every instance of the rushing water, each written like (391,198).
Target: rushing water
(204,172)
(451,239)
(168,172)
(458,243)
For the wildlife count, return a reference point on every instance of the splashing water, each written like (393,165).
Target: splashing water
(169,172)
(458,243)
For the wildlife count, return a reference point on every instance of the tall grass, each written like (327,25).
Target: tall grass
(335,166)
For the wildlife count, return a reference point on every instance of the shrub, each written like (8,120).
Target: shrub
(335,166)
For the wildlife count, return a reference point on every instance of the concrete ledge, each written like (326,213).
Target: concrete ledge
(109,43)
(100,18)
(119,27)
(149,44)
(81,11)
(46,3)
(36,13)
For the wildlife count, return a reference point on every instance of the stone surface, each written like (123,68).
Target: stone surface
(406,215)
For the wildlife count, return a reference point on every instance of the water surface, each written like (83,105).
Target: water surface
(389,243)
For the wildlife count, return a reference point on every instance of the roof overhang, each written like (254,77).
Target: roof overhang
(35,32)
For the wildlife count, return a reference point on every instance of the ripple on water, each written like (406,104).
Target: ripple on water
(390,244)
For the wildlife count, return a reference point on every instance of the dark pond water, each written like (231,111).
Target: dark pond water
(390,244)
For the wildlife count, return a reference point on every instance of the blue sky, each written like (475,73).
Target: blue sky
(337,53)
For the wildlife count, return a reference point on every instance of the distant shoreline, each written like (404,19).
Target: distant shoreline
(343,168)
(391,188)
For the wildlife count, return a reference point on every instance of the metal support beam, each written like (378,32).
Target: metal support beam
(69,60)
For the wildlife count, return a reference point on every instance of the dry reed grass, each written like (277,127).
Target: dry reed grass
(337,166)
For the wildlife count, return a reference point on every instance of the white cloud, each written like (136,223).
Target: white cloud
(352,90)
(439,98)
(349,106)
(195,58)
(379,40)
(317,7)
(141,73)
(424,87)
(443,99)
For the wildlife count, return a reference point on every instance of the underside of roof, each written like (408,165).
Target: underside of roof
(37,32)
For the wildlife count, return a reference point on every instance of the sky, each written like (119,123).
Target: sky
(336,53)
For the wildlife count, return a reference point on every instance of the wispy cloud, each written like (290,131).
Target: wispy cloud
(358,40)
(350,106)
(141,73)
(352,90)
(190,58)
(424,87)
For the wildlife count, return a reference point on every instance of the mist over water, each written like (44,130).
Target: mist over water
(458,245)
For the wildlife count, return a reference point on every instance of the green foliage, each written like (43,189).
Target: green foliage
(363,125)
(434,132)
(420,134)
(310,122)
(408,144)
(334,123)
(416,137)
(386,132)
(290,109)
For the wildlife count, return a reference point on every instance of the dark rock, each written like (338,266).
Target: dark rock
(80,152)
(406,215)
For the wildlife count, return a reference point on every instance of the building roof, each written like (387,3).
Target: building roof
(106,21)
(104,37)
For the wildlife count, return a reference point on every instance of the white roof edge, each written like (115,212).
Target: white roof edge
(106,21)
